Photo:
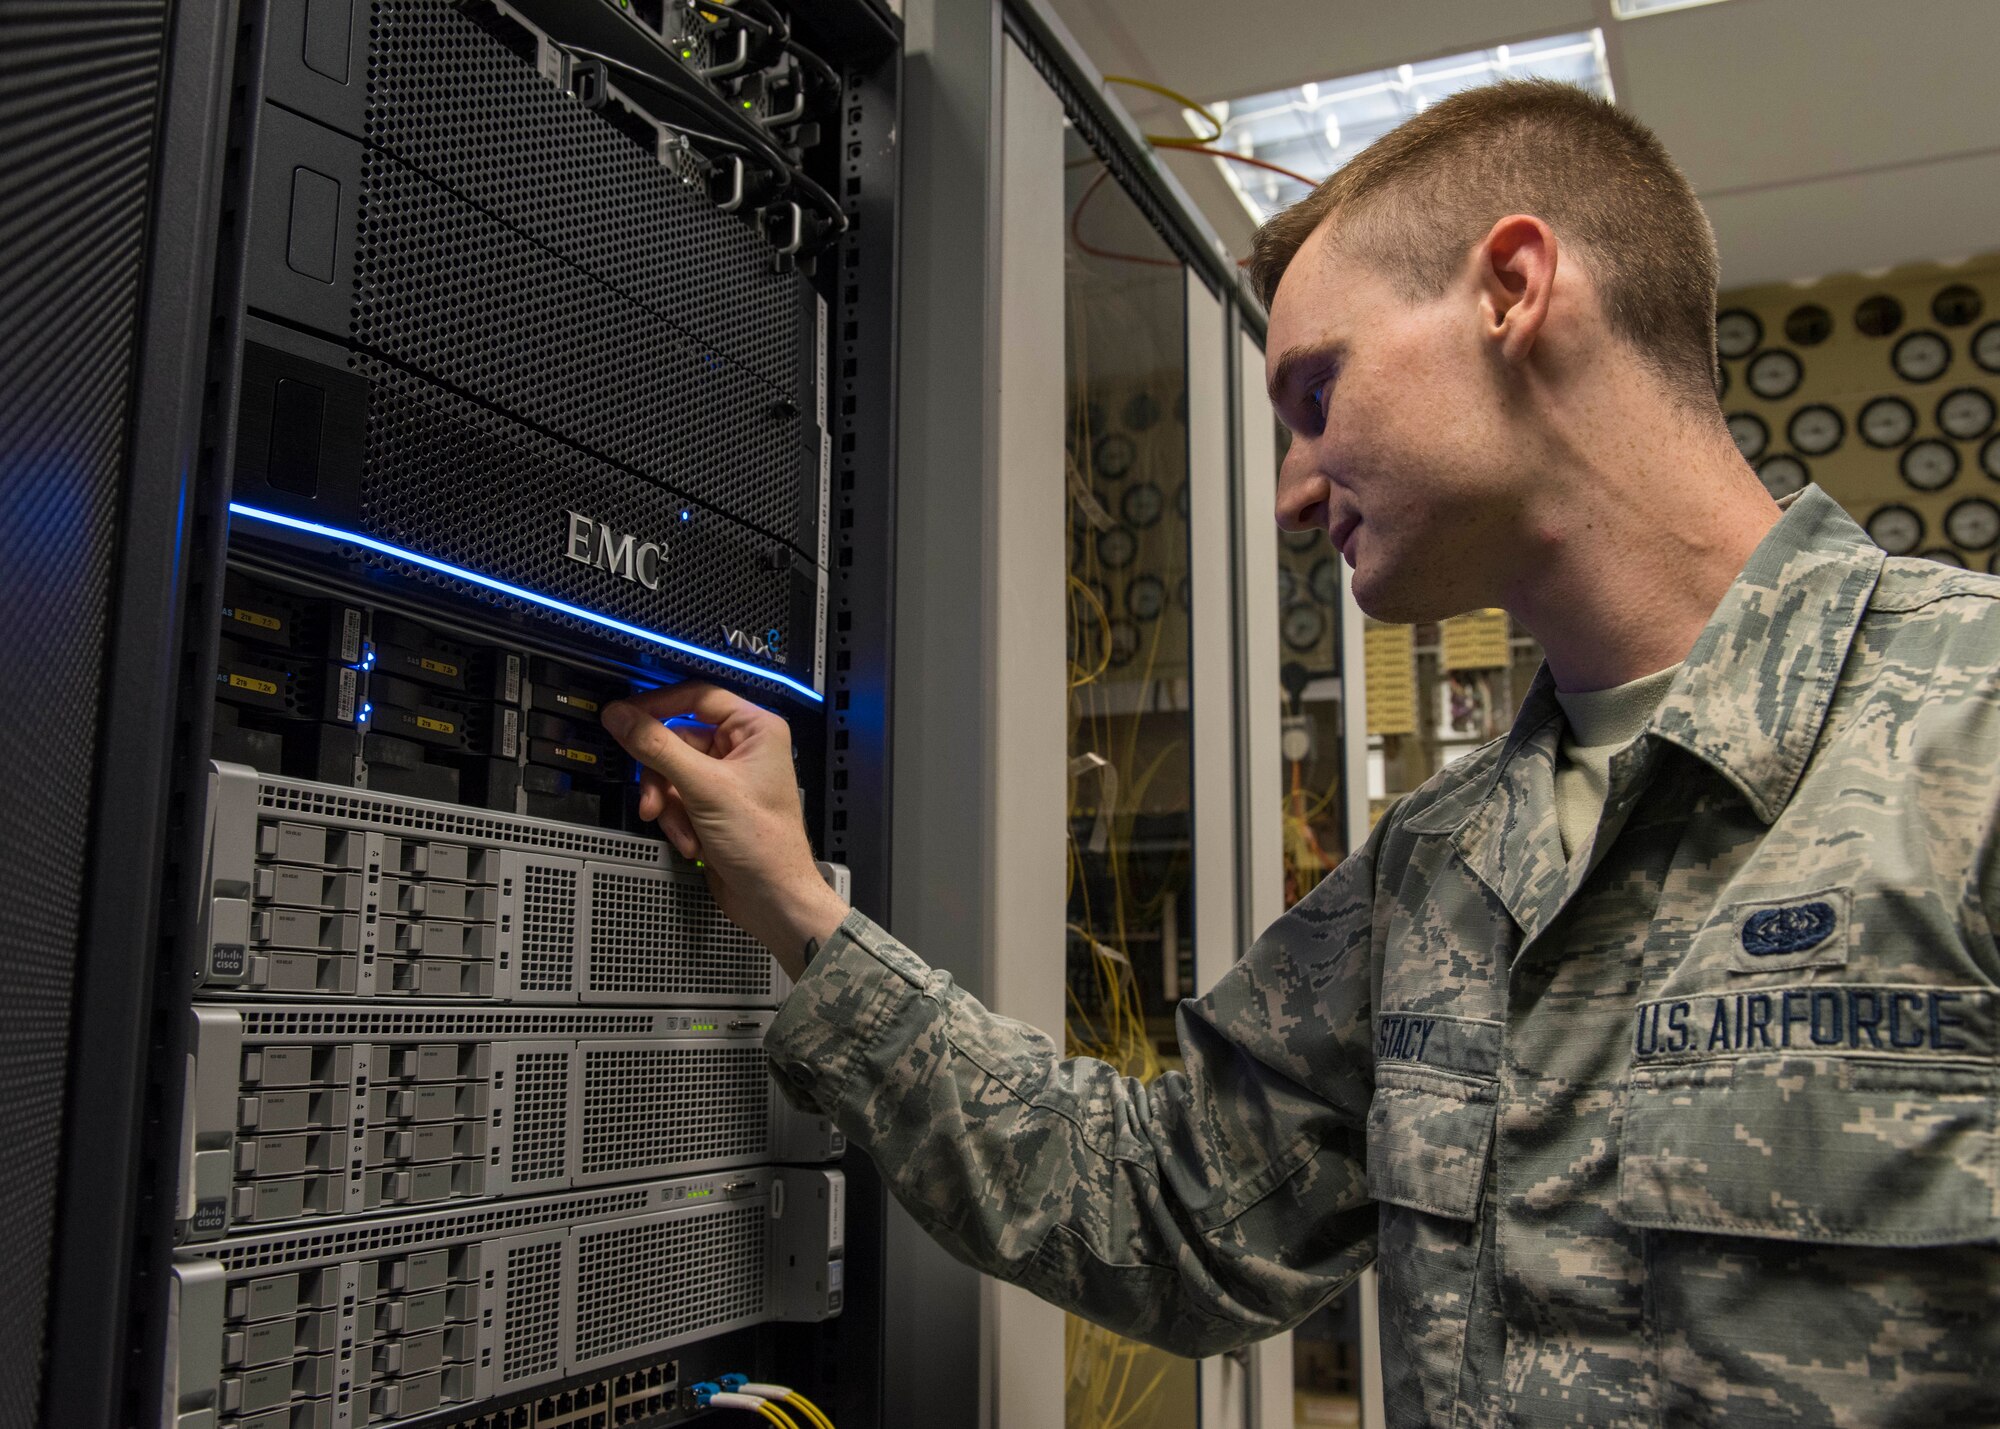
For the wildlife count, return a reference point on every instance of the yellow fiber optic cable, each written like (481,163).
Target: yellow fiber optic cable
(810,1410)
(1172,140)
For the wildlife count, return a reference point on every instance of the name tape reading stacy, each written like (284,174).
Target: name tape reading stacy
(1846,1018)
(1465,1046)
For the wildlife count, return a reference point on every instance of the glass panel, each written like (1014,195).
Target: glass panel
(1316,837)
(1130,952)
(1326,1349)
(1437,692)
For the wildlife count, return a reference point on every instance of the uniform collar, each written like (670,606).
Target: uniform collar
(1753,693)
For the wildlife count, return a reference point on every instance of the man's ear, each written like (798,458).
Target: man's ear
(1515,270)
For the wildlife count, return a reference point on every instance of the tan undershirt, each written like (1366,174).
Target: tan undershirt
(1601,722)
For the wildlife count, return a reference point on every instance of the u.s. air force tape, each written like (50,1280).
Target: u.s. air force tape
(1854,1019)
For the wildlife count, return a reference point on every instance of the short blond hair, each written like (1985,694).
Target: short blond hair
(1415,202)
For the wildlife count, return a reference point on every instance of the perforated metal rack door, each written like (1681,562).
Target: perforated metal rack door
(444,289)
(79,83)
(466,484)
(653,1281)
(448,100)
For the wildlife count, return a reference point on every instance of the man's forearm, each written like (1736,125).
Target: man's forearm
(795,922)
(1155,1209)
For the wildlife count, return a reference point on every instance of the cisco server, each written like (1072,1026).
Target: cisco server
(484,362)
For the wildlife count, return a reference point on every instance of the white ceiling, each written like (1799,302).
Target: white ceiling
(1823,135)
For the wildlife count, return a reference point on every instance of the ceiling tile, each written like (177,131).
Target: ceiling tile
(1764,91)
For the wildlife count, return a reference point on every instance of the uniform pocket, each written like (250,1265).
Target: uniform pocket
(1807,1222)
(1817,1149)
(1429,1134)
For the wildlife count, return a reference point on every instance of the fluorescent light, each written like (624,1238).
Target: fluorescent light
(1633,9)
(653,637)
(1317,127)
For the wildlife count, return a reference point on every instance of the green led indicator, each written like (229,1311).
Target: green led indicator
(749,104)
(704,1027)
(697,1195)
(687,54)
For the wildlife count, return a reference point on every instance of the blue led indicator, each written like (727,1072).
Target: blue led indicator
(687,516)
(577,612)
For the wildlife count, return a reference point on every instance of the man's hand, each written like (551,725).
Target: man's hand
(719,779)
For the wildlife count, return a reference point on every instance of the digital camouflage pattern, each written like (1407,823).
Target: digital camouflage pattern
(1701,1133)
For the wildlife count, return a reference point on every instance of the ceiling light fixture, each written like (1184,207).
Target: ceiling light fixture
(1634,9)
(1316,127)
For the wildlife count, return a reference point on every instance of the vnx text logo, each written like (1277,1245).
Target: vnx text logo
(619,552)
(756,645)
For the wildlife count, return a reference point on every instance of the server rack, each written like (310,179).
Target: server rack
(417,1083)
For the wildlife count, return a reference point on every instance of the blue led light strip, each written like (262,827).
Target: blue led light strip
(651,637)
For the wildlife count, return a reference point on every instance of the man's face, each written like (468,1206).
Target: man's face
(1399,449)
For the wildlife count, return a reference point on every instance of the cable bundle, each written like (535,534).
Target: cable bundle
(769,1402)
(683,88)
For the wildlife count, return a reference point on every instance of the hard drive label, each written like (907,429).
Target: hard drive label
(350,635)
(245,682)
(819,359)
(256,618)
(344,706)
(825,515)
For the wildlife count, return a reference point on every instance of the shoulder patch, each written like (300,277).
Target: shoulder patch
(1774,932)
(1808,929)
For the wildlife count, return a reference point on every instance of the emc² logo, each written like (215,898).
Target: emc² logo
(624,555)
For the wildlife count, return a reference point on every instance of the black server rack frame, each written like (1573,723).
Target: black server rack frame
(95,1377)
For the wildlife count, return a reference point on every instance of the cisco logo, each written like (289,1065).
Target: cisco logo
(593,543)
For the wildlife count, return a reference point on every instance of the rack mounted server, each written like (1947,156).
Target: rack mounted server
(527,354)
(391,1321)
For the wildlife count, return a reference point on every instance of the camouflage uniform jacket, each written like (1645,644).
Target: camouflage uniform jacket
(1701,1134)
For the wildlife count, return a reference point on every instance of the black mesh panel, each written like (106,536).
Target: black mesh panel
(79,81)
(448,291)
(505,481)
(449,101)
